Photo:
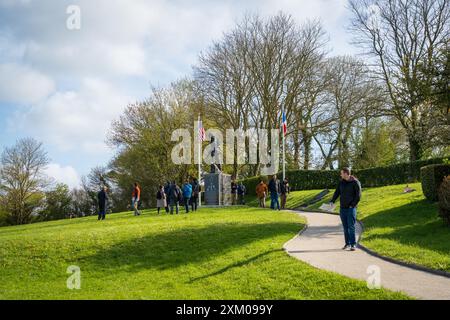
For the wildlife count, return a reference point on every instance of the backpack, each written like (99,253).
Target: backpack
(179,195)
(196,190)
(159,195)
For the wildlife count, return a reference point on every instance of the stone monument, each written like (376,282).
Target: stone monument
(217,184)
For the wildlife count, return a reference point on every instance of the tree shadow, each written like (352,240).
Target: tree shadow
(416,224)
(184,246)
(236,265)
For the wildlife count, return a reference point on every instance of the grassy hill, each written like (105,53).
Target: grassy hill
(213,254)
(402,226)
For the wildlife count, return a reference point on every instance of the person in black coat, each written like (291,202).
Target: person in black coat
(274,189)
(102,203)
(166,191)
(285,189)
(349,190)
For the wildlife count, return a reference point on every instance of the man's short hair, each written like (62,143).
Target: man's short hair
(346,170)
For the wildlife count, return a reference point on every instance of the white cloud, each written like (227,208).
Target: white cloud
(63,174)
(75,121)
(72,84)
(23,85)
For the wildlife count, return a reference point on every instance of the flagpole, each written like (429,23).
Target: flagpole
(199,163)
(284,147)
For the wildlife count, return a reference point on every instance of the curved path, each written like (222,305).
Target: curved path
(320,246)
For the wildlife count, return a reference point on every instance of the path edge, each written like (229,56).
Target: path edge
(396,261)
(370,251)
(305,227)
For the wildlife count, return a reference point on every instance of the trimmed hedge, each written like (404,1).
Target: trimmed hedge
(300,180)
(432,177)
(444,200)
(394,174)
(372,177)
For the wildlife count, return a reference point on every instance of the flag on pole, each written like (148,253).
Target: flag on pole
(284,124)
(201,131)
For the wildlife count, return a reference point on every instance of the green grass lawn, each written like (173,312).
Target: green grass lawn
(398,225)
(213,254)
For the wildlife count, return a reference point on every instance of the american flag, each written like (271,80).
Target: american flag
(201,131)
(284,123)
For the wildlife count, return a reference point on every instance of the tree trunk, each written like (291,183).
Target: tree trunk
(307,140)
(415,149)
(297,148)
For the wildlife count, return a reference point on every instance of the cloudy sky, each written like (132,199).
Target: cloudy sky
(64,87)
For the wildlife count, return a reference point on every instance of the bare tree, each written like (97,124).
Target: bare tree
(352,96)
(406,38)
(22,179)
(225,84)
(259,68)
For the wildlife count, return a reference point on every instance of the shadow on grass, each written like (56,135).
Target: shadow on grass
(236,265)
(416,224)
(186,245)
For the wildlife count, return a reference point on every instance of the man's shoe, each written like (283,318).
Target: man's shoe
(345,247)
(353,248)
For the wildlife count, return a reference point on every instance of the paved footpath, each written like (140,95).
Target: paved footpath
(320,246)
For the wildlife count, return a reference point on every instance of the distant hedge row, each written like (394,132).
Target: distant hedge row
(373,177)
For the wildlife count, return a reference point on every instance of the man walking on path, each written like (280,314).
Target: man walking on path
(261,193)
(136,197)
(349,190)
(274,188)
(187,194)
(102,203)
(285,189)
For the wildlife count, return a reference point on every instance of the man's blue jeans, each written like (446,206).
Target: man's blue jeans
(186,204)
(348,218)
(274,199)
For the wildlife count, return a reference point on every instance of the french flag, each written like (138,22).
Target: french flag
(284,124)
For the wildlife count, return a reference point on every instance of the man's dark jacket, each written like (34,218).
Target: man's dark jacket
(102,200)
(349,191)
(274,186)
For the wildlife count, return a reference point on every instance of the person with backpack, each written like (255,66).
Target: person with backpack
(102,203)
(135,199)
(349,190)
(174,197)
(161,199)
(285,189)
(261,193)
(196,189)
(274,188)
(187,194)
(241,193)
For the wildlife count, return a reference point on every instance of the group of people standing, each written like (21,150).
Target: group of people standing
(238,192)
(277,189)
(170,196)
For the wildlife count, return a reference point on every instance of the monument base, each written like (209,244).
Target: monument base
(217,189)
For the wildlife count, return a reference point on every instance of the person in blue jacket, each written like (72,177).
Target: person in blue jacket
(187,194)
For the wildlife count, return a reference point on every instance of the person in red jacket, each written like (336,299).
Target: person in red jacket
(136,197)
